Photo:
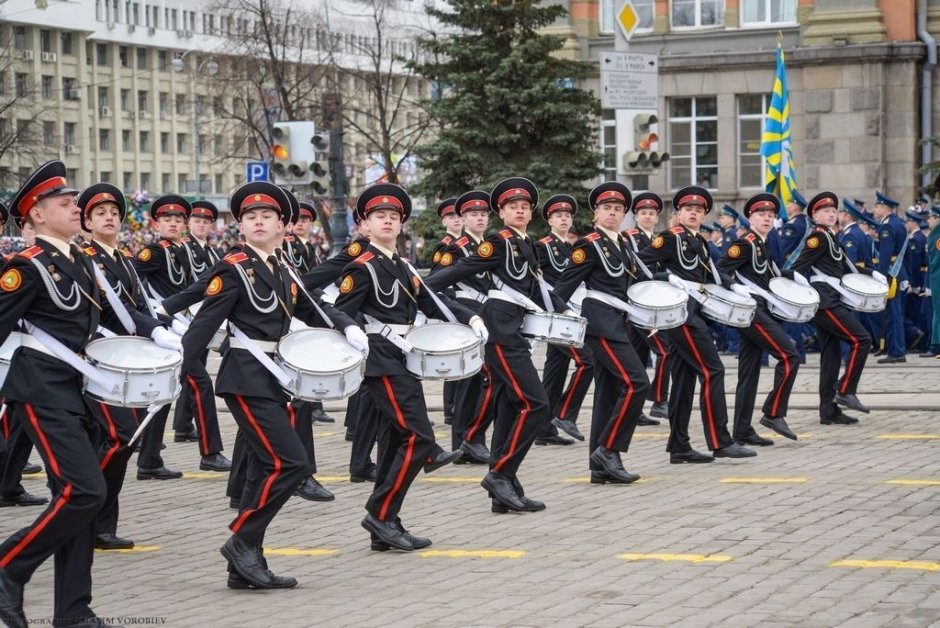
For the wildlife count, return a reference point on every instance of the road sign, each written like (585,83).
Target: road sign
(256,171)
(627,19)
(629,80)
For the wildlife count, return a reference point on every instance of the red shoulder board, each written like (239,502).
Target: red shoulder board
(749,237)
(820,229)
(90,250)
(546,240)
(446,240)
(631,232)
(127,253)
(505,234)
(8,257)
(677,230)
(166,244)
(365,257)
(236,258)
(462,242)
(184,241)
(592,236)
(31,252)
(289,238)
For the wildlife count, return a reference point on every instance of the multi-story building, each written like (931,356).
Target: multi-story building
(123,92)
(860,98)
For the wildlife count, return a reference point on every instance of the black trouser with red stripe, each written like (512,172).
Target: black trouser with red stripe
(275,463)
(14,456)
(183,412)
(644,344)
(522,407)
(197,385)
(365,423)
(405,440)
(117,426)
(764,334)
(833,325)
(65,528)
(620,385)
(301,414)
(473,413)
(151,441)
(693,356)
(565,403)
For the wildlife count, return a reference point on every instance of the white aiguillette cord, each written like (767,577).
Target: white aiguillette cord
(71,358)
(300,284)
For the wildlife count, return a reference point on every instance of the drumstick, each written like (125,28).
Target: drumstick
(3,411)
(151,412)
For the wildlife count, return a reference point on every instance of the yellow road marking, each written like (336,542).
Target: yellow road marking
(909,436)
(205,475)
(135,549)
(332,478)
(689,558)
(915,482)
(454,480)
(473,553)
(293,551)
(650,435)
(322,434)
(587,480)
(764,480)
(38,476)
(922,565)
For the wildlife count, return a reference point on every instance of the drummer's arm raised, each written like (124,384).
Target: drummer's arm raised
(220,299)
(353,290)
(810,254)
(193,294)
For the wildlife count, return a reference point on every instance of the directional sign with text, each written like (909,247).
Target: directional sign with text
(629,80)
(256,171)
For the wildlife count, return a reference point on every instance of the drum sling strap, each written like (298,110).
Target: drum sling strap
(48,344)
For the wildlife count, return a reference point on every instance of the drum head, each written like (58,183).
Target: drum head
(130,352)
(10,345)
(656,294)
(728,295)
(864,284)
(442,337)
(320,350)
(792,292)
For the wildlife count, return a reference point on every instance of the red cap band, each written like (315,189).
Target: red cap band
(383,202)
(474,204)
(514,194)
(306,212)
(762,205)
(646,203)
(448,209)
(692,199)
(560,206)
(41,189)
(201,212)
(170,208)
(103,197)
(823,202)
(610,195)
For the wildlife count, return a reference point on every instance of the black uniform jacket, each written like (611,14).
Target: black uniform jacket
(201,258)
(553,257)
(118,271)
(823,251)
(330,270)
(164,268)
(464,246)
(299,254)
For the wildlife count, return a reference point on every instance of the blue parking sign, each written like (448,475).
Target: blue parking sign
(256,171)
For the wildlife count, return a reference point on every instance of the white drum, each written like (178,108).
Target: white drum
(797,303)
(444,351)
(577,298)
(728,307)
(149,374)
(657,305)
(323,366)
(554,328)
(11,344)
(863,293)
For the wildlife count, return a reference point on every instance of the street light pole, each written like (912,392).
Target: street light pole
(211,67)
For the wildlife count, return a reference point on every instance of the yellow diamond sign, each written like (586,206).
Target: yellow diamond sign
(628,19)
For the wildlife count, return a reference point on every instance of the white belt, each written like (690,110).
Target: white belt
(499,295)
(268,346)
(28,341)
(377,328)
(608,299)
(479,297)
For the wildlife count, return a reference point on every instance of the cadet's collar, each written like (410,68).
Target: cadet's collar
(202,243)
(475,239)
(384,251)
(109,250)
(521,234)
(263,255)
(454,235)
(613,235)
(560,236)
(62,246)
(649,234)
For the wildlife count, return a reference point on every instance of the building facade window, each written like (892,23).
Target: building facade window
(125,100)
(105,176)
(180,104)
(45,40)
(164,183)
(693,142)
(124,56)
(144,180)
(69,88)
(141,59)
(22,85)
(181,143)
(19,37)
(101,54)
(164,103)
(751,108)
(143,142)
(759,12)
(68,133)
(164,143)
(695,13)
(66,43)
(48,132)
(104,140)
(143,96)
(608,136)
(128,182)
(126,145)
(103,96)
(47,87)
(162,61)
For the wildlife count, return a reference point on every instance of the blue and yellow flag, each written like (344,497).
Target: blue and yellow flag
(780,174)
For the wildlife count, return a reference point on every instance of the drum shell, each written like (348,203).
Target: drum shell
(441,364)
(657,316)
(554,328)
(310,384)
(142,386)
(723,306)
(9,347)
(794,312)
(874,299)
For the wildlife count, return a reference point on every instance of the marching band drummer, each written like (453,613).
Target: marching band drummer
(256,295)
(51,285)
(522,409)
(682,251)
(603,261)
(103,210)
(750,257)
(452,222)
(380,286)
(834,322)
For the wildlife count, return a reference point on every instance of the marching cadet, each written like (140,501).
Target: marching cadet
(298,251)
(933,279)
(833,321)
(647,206)
(473,397)
(714,236)
(750,258)
(915,260)
(254,292)
(682,251)
(892,241)
(554,253)
(453,227)
(522,408)
(201,258)
(604,261)
(164,268)
(124,312)
(384,289)
(51,286)
(727,220)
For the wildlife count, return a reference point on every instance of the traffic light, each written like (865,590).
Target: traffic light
(646,139)
(280,149)
(320,168)
(292,152)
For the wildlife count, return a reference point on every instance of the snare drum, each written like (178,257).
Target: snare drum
(797,303)
(322,365)
(10,345)
(554,328)
(148,374)
(863,293)
(444,351)
(657,305)
(728,307)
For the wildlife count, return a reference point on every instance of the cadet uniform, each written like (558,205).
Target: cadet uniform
(604,262)
(933,282)
(445,208)
(915,261)
(892,241)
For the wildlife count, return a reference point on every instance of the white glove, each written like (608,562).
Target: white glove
(928,292)
(569,312)
(479,328)
(676,281)
(740,289)
(800,279)
(358,339)
(160,310)
(880,277)
(905,286)
(179,327)
(778,223)
(166,339)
